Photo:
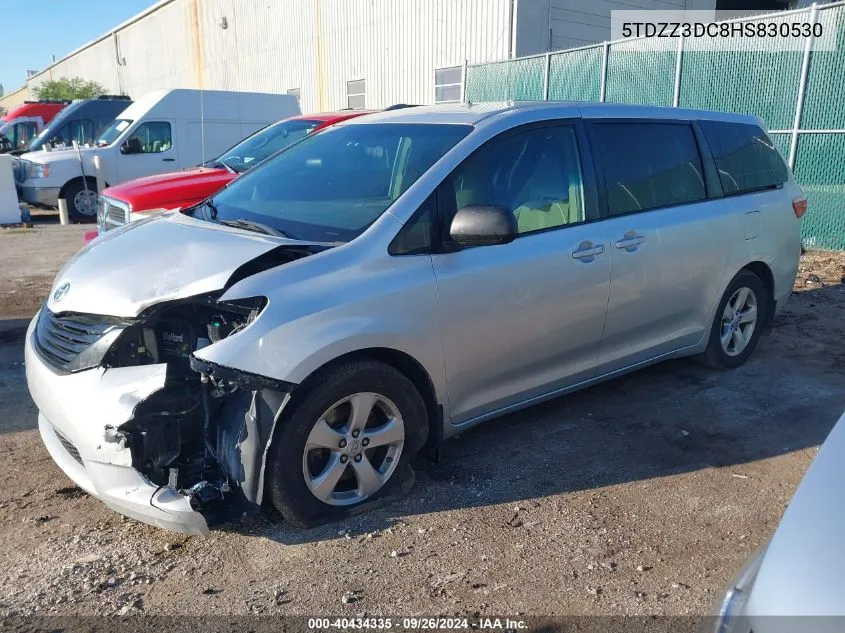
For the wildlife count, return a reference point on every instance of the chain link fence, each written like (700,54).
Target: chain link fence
(799,94)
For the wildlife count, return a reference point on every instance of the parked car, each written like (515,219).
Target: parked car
(396,279)
(82,122)
(795,583)
(137,198)
(21,124)
(162,131)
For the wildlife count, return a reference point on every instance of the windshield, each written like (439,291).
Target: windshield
(264,143)
(114,130)
(333,185)
(54,125)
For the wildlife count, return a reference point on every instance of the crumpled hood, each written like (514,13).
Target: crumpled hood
(801,573)
(161,189)
(161,258)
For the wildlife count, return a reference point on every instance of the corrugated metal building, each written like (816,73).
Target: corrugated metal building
(332,53)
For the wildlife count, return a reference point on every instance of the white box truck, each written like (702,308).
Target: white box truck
(163,131)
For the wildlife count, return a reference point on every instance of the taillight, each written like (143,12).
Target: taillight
(799,205)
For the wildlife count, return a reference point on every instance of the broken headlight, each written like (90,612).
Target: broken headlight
(174,436)
(172,332)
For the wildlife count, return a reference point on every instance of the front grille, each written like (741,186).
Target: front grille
(112,213)
(66,341)
(69,447)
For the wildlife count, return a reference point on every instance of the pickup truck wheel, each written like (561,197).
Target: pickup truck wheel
(81,202)
(345,443)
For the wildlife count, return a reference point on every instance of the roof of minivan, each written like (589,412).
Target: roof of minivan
(473,113)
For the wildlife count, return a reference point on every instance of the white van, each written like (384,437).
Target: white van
(163,131)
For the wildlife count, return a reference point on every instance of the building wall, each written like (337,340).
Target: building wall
(14,99)
(313,45)
(544,25)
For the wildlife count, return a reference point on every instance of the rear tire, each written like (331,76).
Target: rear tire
(322,468)
(81,207)
(740,318)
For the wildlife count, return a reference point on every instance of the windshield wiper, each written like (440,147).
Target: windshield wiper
(212,209)
(249,225)
(217,163)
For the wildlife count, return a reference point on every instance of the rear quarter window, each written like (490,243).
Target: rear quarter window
(745,157)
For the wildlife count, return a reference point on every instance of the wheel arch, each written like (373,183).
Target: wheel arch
(762,270)
(405,364)
(92,182)
(764,273)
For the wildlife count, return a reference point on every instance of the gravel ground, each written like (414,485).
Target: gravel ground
(639,496)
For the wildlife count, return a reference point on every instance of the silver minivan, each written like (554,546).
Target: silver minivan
(396,279)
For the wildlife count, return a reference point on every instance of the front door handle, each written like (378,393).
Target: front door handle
(630,241)
(168,160)
(587,252)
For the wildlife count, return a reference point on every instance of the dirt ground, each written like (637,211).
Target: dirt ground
(638,496)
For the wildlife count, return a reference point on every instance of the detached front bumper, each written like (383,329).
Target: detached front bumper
(77,417)
(42,196)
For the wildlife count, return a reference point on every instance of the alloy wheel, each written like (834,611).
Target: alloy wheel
(739,320)
(353,449)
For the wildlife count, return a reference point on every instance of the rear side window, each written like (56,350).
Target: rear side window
(648,165)
(746,158)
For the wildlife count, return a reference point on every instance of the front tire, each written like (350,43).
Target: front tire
(345,442)
(739,322)
(81,202)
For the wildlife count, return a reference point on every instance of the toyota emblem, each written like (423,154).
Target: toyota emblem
(61,291)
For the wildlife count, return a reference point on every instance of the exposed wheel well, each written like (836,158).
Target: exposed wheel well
(764,273)
(409,366)
(92,183)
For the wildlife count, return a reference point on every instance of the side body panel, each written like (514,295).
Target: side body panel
(778,240)
(521,319)
(663,289)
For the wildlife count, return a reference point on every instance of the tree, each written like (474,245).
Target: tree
(67,89)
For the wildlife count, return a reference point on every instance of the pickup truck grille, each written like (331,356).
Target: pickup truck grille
(66,342)
(112,213)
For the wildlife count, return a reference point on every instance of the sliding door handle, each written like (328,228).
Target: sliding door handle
(630,241)
(587,252)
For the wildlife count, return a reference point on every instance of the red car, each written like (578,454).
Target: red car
(119,204)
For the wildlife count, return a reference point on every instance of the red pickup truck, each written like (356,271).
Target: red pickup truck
(120,204)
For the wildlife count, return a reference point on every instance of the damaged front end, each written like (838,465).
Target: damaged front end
(203,432)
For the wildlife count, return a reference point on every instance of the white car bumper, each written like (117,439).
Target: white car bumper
(76,412)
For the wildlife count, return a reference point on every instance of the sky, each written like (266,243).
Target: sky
(33,31)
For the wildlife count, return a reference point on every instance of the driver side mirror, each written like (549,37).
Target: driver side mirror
(131,146)
(482,225)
